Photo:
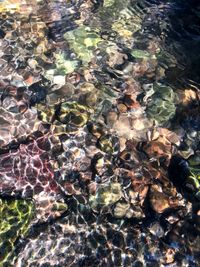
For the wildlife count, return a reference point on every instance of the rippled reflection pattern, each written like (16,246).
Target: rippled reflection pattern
(99,133)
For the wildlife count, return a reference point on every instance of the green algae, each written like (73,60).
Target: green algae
(83,41)
(15,216)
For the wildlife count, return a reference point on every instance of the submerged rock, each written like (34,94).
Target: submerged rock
(158,200)
(108,144)
(121,210)
(136,53)
(185,175)
(93,114)
(106,195)
(27,171)
(73,114)
(83,41)
(161,107)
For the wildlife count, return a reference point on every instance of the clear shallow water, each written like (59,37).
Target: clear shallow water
(99,133)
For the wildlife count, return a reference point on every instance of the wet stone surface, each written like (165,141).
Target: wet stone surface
(99,133)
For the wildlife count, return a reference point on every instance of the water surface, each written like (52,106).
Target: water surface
(99,133)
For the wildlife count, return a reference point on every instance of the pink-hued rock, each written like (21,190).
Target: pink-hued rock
(28,171)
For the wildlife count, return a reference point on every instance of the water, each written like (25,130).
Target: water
(99,133)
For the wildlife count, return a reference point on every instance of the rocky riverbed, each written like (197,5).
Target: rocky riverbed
(99,133)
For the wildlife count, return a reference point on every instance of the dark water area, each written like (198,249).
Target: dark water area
(99,133)
(177,25)
(183,36)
